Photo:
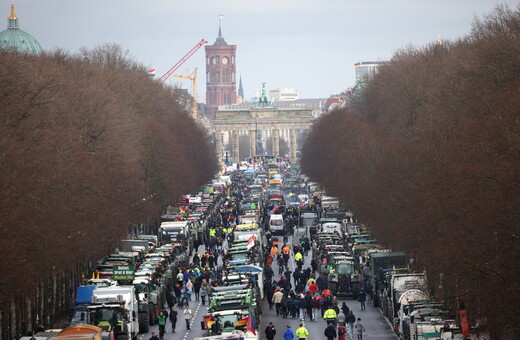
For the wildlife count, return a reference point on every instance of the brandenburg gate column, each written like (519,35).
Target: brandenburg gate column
(235,147)
(218,144)
(292,145)
(252,143)
(276,142)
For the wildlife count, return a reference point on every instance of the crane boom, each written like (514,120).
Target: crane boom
(183,59)
(194,90)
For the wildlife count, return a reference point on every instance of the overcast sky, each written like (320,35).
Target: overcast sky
(309,45)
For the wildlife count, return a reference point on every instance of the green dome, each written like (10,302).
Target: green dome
(19,40)
(13,38)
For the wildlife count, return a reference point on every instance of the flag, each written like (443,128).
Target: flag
(251,242)
(251,323)
(151,72)
(242,322)
(221,16)
(209,321)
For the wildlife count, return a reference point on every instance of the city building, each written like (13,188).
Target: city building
(365,70)
(283,95)
(220,74)
(15,39)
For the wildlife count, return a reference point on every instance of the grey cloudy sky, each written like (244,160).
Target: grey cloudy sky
(309,45)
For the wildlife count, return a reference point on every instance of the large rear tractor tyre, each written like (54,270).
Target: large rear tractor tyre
(406,330)
(152,314)
(333,287)
(144,323)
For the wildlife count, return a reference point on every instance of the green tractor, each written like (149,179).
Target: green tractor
(343,279)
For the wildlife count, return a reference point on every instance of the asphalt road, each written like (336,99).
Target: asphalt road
(373,321)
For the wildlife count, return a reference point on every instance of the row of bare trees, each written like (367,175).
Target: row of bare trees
(429,156)
(89,144)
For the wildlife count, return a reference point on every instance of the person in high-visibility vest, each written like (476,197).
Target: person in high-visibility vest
(330,315)
(302,333)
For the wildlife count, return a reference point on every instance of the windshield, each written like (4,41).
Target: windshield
(255,191)
(243,236)
(107,317)
(239,256)
(228,322)
(344,268)
(276,222)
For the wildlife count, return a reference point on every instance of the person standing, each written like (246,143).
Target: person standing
(350,319)
(359,329)
(161,321)
(330,332)
(277,300)
(288,334)
(362,297)
(173,318)
(302,333)
(341,318)
(270,331)
(202,294)
(345,308)
(188,315)
(330,315)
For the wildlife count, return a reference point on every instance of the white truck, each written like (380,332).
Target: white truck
(115,310)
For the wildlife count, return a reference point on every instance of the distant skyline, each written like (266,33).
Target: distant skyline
(308,45)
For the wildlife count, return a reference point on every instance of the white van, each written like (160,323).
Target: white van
(276,223)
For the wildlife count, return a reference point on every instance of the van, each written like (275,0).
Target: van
(276,223)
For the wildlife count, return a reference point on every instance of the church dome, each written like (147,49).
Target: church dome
(13,38)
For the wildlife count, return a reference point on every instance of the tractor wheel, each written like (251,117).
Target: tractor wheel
(144,322)
(406,330)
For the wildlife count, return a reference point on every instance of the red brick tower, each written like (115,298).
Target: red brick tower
(220,73)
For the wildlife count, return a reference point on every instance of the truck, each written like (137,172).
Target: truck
(115,309)
(400,289)
(176,232)
(308,220)
(380,264)
(134,245)
(82,332)
(331,225)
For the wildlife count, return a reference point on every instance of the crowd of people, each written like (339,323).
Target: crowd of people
(304,294)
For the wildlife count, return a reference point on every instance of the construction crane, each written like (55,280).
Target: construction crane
(194,90)
(183,59)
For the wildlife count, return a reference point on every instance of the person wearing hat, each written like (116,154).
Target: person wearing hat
(270,331)
(302,333)
(288,334)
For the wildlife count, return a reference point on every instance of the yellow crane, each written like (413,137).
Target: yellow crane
(194,91)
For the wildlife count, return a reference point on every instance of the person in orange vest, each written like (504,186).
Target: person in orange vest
(274,250)
(286,251)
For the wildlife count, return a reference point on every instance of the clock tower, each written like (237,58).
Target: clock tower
(220,73)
